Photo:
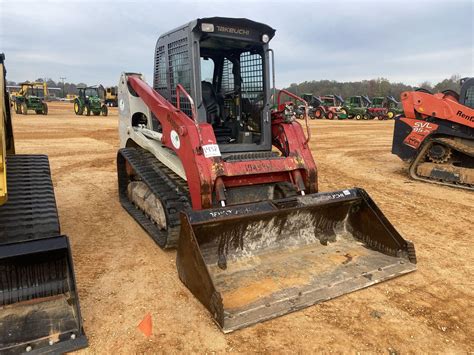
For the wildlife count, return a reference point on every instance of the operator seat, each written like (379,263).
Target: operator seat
(214,114)
(209,98)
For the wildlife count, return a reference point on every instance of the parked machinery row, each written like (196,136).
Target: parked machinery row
(355,107)
(31,96)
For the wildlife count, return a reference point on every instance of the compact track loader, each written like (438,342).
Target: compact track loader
(39,307)
(436,135)
(206,166)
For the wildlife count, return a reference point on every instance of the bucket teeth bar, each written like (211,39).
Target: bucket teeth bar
(254,262)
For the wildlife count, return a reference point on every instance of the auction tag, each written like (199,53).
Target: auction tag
(211,150)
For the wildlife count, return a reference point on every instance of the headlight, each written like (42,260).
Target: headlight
(207,27)
(265,38)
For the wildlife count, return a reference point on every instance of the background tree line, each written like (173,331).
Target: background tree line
(374,87)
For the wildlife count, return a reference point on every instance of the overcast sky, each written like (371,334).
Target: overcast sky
(94,41)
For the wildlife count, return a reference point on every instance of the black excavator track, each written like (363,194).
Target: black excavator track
(445,173)
(170,189)
(39,307)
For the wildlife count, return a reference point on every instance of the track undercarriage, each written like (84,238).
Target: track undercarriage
(445,161)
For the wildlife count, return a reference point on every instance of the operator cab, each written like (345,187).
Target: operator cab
(467,92)
(233,93)
(92,91)
(328,101)
(223,63)
(358,101)
(32,90)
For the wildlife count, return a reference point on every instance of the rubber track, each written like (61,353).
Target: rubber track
(170,189)
(451,143)
(30,212)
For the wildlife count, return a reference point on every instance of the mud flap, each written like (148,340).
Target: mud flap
(251,263)
(39,307)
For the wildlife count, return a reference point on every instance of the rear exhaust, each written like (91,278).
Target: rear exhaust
(250,263)
(39,306)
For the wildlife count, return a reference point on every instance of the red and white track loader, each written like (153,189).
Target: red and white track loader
(206,166)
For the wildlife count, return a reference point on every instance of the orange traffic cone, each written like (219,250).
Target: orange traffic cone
(146,325)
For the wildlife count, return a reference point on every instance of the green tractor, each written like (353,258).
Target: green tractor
(394,107)
(30,97)
(91,99)
(356,107)
(390,104)
(378,101)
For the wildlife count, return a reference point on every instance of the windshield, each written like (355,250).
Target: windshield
(35,91)
(91,92)
(329,101)
(233,92)
(377,101)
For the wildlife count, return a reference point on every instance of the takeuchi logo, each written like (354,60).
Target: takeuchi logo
(232,30)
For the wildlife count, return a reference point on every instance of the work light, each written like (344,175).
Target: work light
(207,27)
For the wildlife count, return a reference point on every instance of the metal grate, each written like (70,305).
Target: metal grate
(160,82)
(179,71)
(252,98)
(227,76)
(227,85)
(469,100)
(251,70)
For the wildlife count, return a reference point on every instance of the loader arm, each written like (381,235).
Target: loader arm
(441,106)
(208,173)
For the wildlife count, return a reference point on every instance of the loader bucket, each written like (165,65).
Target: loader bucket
(39,308)
(254,262)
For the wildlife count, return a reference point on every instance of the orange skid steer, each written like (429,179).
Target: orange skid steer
(436,136)
(207,166)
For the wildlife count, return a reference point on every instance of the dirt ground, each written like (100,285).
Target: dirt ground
(122,275)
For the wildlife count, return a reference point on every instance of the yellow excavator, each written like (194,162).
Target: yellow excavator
(111,96)
(39,306)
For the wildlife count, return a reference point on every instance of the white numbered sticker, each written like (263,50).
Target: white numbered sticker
(211,150)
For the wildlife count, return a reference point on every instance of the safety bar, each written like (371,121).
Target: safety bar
(305,110)
(180,89)
(269,50)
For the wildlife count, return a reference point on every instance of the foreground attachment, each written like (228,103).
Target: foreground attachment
(39,309)
(39,306)
(254,262)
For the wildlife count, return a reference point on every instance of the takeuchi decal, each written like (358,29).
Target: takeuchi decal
(232,30)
